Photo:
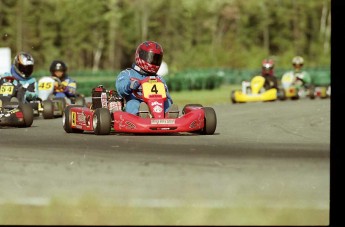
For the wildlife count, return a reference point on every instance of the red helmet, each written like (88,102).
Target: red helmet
(149,56)
(267,67)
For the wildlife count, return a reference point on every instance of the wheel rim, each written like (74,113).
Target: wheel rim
(94,121)
(63,119)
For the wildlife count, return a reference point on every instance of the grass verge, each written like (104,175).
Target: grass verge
(90,211)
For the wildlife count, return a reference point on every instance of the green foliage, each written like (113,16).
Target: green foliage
(103,34)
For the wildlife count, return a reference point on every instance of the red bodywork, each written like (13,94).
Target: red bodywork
(192,119)
(126,122)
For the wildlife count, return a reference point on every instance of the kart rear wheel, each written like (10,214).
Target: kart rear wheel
(61,104)
(233,100)
(311,92)
(295,97)
(101,121)
(28,114)
(67,121)
(34,105)
(48,109)
(281,94)
(188,105)
(210,121)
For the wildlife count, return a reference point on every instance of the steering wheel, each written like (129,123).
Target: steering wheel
(8,78)
(56,80)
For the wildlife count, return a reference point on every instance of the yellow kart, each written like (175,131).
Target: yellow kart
(254,91)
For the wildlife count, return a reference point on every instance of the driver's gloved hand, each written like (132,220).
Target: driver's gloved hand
(134,85)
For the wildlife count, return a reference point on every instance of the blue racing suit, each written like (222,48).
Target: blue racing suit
(122,85)
(67,88)
(30,84)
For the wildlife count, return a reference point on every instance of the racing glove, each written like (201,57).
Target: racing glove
(134,85)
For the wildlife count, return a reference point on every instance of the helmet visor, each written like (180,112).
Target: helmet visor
(26,69)
(150,57)
(267,66)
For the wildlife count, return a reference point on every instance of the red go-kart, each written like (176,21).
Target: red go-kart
(106,114)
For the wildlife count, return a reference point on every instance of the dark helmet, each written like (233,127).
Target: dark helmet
(58,65)
(23,64)
(149,56)
(267,66)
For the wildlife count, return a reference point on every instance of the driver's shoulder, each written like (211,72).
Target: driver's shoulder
(305,73)
(28,80)
(69,79)
(5,74)
(128,72)
(131,73)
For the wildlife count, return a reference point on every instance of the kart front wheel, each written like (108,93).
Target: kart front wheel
(48,109)
(101,121)
(28,114)
(312,92)
(210,121)
(281,94)
(67,121)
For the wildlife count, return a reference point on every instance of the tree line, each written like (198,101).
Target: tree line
(103,34)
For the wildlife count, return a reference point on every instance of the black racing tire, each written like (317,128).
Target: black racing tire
(61,105)
(51,96)
(210,121)
(281,94)
(232,97)
(34,106)
(48,109)
(295,97)
(28,114)
(187,105)
(67,121)
(101,121)
(312,92)
(80,101)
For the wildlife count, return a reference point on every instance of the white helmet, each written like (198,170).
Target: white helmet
(163,69)
(298,60)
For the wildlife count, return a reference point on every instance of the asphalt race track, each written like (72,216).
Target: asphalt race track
(274,154)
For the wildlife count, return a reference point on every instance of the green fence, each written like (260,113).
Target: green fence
(213,78)
(190,79)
